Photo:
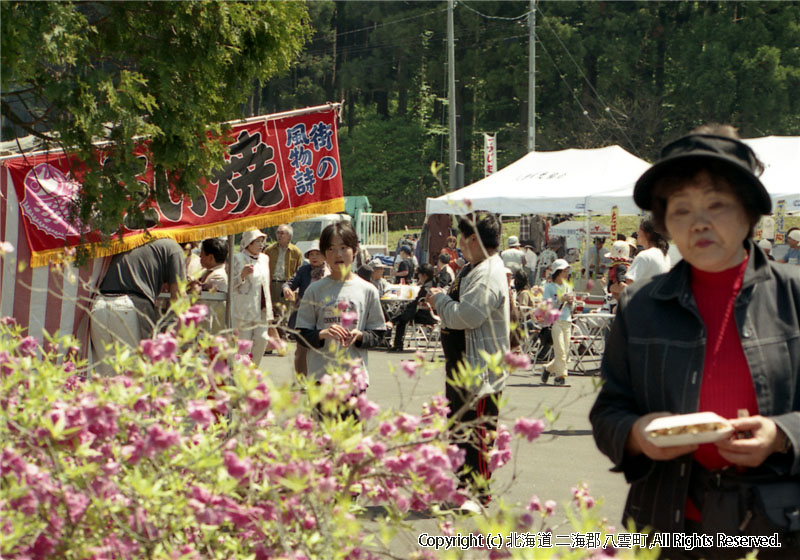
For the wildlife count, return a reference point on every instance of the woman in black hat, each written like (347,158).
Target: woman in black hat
(720,332)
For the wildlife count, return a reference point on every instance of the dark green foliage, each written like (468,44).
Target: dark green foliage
(636,74)
(76,73)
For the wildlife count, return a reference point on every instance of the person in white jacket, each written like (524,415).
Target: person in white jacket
(252,306)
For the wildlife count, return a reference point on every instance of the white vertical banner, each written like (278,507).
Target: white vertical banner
(780,231)
(489,154)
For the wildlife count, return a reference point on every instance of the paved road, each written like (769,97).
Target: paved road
(560,459)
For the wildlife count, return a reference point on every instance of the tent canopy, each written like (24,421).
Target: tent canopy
(579,181)
(545,183)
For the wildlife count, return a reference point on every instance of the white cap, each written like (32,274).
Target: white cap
(558,264)
(795,234)
(314,247)
(249,236)
(765,244)
(513,241)
(377,263)
(620,250)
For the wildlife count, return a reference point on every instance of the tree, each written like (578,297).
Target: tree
(76,73)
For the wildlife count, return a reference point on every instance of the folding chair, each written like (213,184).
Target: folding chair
(588,340)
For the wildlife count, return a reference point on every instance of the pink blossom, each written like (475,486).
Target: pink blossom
(309,522)
(534,504)
(503,439)
(447,528)
(200,413)
(258,400)
(439,406)
(359,378)
(244,346)
(277,344)
(552,316)
(326,485)
(366,408)
(162,347)
(27,346)
(76,504)
(220,366)
(549,507)
(377,448)
(456,456)
(237,468)
(43,547)
(400,463)
(517,360)
(349,319)
(195,315)
(159,439)
(304,423)
(7,360)
(531,429)
(186,552)
(387,429)
(498,458)
(407,423)
(409,367)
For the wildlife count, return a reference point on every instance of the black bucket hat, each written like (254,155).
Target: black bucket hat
(737,155)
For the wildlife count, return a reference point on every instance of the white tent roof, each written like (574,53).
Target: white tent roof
(779,154)
(781,158)
(574,181)
(545,182)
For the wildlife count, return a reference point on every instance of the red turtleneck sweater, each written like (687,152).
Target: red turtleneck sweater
(726,385)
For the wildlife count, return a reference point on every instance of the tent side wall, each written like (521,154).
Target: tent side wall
(43,299)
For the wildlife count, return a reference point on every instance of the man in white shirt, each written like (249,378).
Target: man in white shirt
(595,260)
(513,257)
(213,256)
(653,259)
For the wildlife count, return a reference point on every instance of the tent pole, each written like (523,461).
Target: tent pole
(587,244)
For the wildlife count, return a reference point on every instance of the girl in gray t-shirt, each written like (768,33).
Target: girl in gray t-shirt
(340,311)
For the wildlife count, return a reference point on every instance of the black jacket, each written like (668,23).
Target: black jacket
(654,360)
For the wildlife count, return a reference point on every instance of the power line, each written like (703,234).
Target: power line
(585,79)
(376,26)
(486,16)
(569,87)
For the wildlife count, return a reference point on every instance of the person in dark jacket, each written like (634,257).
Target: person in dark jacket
(417,311)
(718,333)
(295,288)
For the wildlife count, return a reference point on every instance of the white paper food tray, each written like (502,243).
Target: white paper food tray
(685,425)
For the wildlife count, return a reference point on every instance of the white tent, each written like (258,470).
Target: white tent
(545,182)
(575,227)
(781,158)
(779,154)
(592,181)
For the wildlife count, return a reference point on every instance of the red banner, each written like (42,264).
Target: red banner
(276,170)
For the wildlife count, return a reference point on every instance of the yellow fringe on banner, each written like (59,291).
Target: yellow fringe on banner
(196,233)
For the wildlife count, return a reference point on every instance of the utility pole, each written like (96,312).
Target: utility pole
(451,95)
(532,77)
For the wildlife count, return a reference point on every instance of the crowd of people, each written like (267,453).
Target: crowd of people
(718,330)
